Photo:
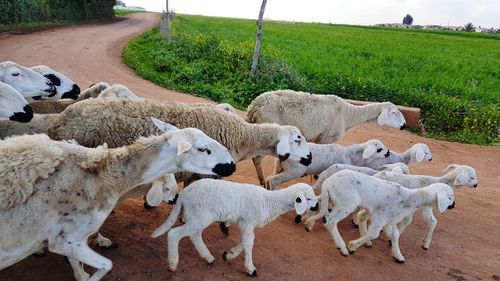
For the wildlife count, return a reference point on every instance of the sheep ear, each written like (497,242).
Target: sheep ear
(369,151)
(450,168)
(283,147)
(164,127)
(300,204)
(461,178)
(102,88)
(443,201)
(382,117)
(155,194)
(419,155)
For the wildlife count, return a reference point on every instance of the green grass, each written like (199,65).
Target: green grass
(454,77)
(120,12)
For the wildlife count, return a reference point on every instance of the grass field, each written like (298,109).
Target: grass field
(454,77)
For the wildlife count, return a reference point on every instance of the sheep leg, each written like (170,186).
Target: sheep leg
(402,225)
(233,253)
(201,247)
(393,232)
(81,252)
(174,236)
(431,222)
(337,214)
(277,167)
(257,162)
(373,232)
(248,237)
(362,220)
(102,242)
(80,274)
(272,182)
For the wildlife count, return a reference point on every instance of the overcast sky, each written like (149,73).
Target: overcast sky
(484,13)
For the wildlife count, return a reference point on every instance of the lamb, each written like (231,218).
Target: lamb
(387,203)
(26,81)
(417,153)
(65,88)
(60,193)
(120,121)
(209,200)
(58,106)
(455,175)
(38,125)
(326,155)
(321,118)
(117,91)
(13,106)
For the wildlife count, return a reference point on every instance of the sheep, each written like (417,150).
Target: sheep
(60,193)
(117,91)
(386,202)
(65,88)
(455,175)
(250,206)
(415,154)
(326,155)
(13,106)
(38,125)
(58,106)
(120,121)
(26,81)
(321,118)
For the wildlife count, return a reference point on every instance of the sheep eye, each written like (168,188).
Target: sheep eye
(15,74)
(379,150)
(205,150)
(297,141)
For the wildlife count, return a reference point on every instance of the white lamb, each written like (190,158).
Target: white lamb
(325,155)
(13,106)
(60,193)
(321,118)
(26,81)
(208,200)
(386,202)
(417,153)
(117,91)
(455,175)
(65,88)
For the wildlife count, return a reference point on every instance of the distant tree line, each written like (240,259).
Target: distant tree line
(19,11)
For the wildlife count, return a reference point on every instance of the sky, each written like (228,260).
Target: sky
(484,13)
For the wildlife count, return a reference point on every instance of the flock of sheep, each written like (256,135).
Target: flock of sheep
(68,157)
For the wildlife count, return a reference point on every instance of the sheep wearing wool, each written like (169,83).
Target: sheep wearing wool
(120,121)
(386,202)
(250,206)
(326,155)
(60,193)
(13,106)
(58,106)
(65,88)
(26,81)
(321,118)
(117,91)
(38,125)
(455,175)
(417,153)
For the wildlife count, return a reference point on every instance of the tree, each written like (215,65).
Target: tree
(256,53)
(469,27)
(408,19)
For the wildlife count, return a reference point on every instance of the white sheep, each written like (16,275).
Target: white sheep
(117,91)
(321,118)
(325,155)
(417,153)
(250,206)
(39,124)
(26,81)
(455,175)
(65,88)
(60,193)
(13,106)
(386,202)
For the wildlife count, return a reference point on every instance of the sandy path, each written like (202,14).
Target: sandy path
(466,243)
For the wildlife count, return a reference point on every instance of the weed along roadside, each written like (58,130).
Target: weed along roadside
(453,78)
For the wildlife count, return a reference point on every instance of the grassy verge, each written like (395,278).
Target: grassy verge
(120,12)
(452,77)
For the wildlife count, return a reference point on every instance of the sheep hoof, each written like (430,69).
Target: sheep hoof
(390,242)
(147,206)
(344,254)
(307,229)
(368,245)
(351,252)
(224,256)
(223,228)
(354,224)
(425,248)
(315,177)
(110,247)
(398,261)
(112,211)
(39,255)
(324,220)
(254,273)
(298,219)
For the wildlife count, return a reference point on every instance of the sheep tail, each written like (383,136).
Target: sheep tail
(167,225)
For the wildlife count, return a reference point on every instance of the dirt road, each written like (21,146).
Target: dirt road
(466,243)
